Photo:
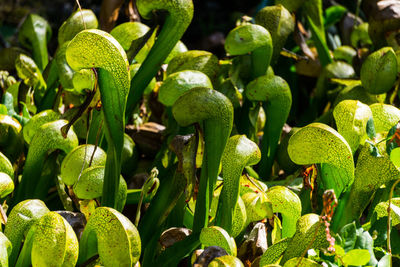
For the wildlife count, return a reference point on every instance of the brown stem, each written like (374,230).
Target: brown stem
(82,108)
(132,11)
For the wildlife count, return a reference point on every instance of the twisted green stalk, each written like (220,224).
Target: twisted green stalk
(111,235)
(275,92)
(179,16)
(215,112)
(98,49)
(239,152)
(48,138)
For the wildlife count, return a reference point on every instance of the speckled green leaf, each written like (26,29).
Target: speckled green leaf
(215,112)
(370,174)
(226,261)
(275,92)
(78,160)
(180,14)
(47,138)
(6,184)
(36,121)
(385,116)
(239,152)
(304,262)
(274,252)
(21,218)
(95,48)
(128,32)
(117,239)
(319,143)
(382,210)
(240,218)
(78,21)
(98,49)
(198,60)
(305,235)
(65,72)
(351,119)
(379,71)
(250,184)
(258,206)
(217,236)
(90,186)
(5,250)
(6,166)
(179,82)
(29,72)
(288,204)
(356,257)
(251,38)
(395,157)
(357,92)
(54,242)
(83,81)
(280,24)
(246,38)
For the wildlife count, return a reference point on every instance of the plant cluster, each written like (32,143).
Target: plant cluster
(228,181)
